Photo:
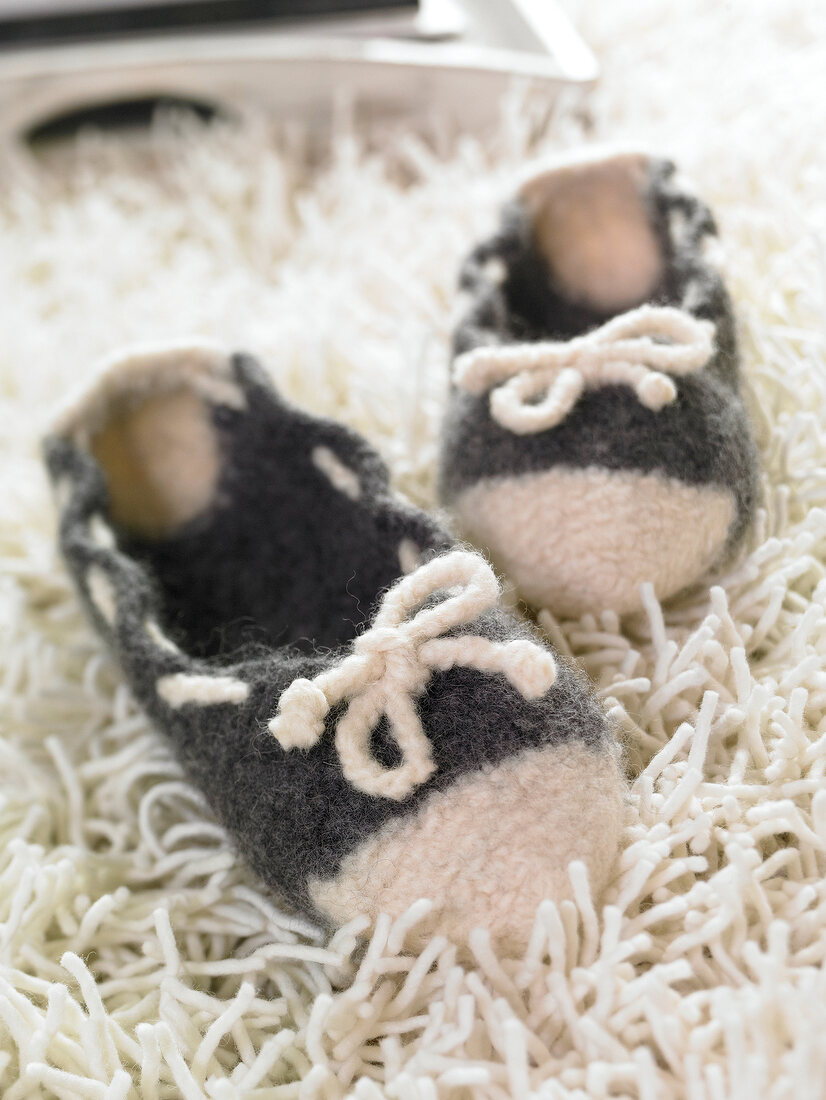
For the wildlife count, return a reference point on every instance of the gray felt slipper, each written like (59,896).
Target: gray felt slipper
(595,437)
(333,670)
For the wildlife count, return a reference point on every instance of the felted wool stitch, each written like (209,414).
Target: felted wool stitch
(333,670)
(596,438)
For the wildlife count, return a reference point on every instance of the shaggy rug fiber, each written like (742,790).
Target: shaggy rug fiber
(138,958)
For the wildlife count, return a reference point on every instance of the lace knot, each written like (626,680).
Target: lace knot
(533,387)
(391,664)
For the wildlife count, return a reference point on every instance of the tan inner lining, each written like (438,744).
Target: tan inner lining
(160,458)
(591,224)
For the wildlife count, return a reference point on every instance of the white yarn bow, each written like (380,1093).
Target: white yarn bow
(535,386)
(391,664)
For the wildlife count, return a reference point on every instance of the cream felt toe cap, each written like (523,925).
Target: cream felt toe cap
(488,849)
(585,540)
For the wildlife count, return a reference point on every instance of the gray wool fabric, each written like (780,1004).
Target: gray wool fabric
(703,438)
(272,582)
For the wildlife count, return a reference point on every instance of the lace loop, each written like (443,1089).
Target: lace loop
(535,386)
(391,664)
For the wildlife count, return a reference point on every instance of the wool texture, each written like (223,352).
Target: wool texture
(140,957)
(484,843)
(581,536)
(546,376)
(276,731)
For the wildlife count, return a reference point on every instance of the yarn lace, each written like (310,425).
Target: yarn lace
(535,386)
(391,664)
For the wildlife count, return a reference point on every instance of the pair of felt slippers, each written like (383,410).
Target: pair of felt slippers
(333,667)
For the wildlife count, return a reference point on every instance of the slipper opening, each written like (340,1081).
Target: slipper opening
(257,524)
(147,420)
(161,462)
(591,223)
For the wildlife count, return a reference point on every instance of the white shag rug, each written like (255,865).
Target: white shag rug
(138,958)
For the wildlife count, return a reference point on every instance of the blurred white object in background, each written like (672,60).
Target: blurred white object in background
(398,60)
